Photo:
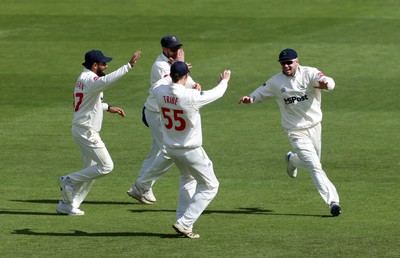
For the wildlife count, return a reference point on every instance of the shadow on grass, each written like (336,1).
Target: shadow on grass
(248,211)
(79,233)
(14,212)
(85,202)
(245,211)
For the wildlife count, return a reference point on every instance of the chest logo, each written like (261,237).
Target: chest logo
(295,99)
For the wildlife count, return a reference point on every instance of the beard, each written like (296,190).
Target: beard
(100,73)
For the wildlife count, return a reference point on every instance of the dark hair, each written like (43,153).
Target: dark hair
(176,79)
(87,65)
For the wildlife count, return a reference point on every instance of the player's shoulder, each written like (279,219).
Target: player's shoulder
(310,72)
(161,66)
(275,78)
(166,80)
(161,88)
(88,75)
(307,69)
(161,60)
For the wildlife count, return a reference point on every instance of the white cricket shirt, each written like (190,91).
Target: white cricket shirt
(160,69)
(180,112)
(298,100)
(88,93)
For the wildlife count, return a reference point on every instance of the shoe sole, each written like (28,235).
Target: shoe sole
(62,212)
(141,200)
(152,197)
(188,234)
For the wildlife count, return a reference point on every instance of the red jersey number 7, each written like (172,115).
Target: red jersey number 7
(78,103)
(176,119)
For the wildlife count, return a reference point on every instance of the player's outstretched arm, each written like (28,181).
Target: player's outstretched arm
(135,57)
(246,100)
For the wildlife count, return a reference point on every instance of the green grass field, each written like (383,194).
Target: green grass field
(259,211)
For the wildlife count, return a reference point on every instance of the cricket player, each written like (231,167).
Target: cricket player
(86,126)
(152,169)
(297,90)
(182,134)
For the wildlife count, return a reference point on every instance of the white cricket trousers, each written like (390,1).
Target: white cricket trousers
(196,173)
(157,162)
(97,163)
(306,144)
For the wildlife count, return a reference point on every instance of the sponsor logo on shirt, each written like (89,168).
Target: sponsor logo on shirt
(295,99)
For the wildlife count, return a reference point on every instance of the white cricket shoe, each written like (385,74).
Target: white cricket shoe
(65,208)
(67,188)
(290,169)
(184,232)
(150,195)
(140,195)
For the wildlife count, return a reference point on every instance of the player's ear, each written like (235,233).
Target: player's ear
(94,66)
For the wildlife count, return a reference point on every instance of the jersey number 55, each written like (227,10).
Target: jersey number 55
(174,120)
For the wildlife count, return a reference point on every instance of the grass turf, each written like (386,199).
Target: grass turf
(259,211)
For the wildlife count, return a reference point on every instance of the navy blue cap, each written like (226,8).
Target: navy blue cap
(170,41)
(179,69)
(94,56)
(287,54)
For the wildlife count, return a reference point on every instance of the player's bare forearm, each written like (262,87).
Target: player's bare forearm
(117,110)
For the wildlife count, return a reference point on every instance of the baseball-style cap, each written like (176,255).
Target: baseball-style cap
(287,54)
(170,41)
(179,69)
(95,56)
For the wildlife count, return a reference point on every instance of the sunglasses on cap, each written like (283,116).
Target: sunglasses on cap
(289,62)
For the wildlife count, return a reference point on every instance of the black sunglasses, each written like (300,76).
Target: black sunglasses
(286,62)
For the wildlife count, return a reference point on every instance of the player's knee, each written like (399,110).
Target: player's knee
(106,168)
(216,187)
(213,188)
